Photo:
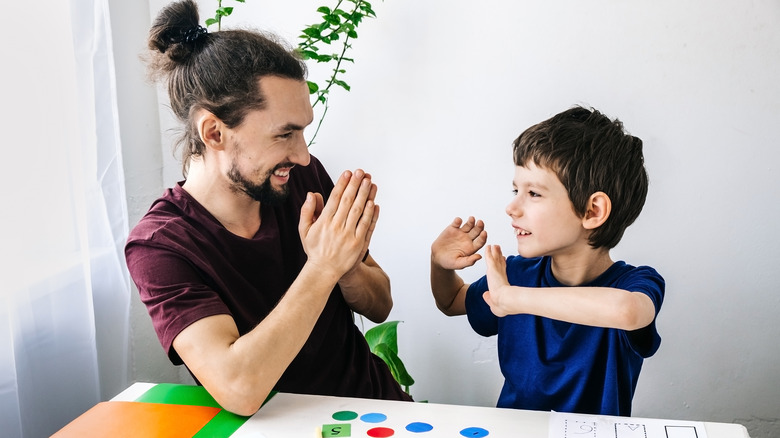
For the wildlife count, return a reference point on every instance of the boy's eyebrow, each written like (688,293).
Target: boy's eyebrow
(530,184)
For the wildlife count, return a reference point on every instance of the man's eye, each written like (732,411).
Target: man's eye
(286,135)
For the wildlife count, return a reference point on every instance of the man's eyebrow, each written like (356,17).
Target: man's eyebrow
(290,127)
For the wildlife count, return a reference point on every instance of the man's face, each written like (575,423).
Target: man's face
(270,142)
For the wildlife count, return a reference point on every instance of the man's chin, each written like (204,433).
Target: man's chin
(269,196)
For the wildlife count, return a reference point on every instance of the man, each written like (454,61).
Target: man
(251,268)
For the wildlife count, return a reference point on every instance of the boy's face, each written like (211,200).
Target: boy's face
(543,217)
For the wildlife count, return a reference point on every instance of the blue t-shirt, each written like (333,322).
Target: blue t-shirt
(553,365)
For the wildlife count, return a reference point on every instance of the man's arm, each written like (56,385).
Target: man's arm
(366,289)
(592,306)
(240,371)
(455,248)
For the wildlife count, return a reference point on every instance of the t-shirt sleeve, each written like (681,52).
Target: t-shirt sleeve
(174,293)
(644,279)
(482,320)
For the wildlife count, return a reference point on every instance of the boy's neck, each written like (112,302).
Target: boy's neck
(575,270)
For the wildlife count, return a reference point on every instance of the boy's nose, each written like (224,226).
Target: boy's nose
(514,209)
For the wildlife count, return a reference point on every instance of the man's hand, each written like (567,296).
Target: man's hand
(335,235)
(457,246)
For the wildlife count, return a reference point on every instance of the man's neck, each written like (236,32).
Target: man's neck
(235,210)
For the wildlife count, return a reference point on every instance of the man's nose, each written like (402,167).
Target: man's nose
(300,153)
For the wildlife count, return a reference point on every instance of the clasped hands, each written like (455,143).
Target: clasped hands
(336,234)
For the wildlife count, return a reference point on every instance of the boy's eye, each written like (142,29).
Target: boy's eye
(514,192)
(533,194)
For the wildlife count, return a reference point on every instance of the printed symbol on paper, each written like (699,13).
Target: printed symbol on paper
(580,429)
(681,432)
(630,430)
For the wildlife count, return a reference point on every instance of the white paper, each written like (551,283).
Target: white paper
(597,426)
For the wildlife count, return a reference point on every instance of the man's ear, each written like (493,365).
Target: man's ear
(211,130)
(598,210)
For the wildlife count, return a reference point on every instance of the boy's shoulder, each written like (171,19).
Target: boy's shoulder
(621,269)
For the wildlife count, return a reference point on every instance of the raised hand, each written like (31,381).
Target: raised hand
(498,284)
(457,246)
(336,235)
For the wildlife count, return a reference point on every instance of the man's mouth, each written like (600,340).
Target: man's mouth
(283,171)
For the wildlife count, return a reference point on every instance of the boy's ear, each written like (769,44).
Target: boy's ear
(598,210)
(211,130)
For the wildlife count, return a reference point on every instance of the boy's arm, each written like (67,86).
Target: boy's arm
(592,306)
(455,248)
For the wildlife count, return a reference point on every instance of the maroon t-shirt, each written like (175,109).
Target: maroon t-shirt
(187,266)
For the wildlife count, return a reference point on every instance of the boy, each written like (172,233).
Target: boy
(573,326)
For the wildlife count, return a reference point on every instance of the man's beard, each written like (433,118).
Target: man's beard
(263,192)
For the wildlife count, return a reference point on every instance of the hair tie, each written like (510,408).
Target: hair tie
(190,35)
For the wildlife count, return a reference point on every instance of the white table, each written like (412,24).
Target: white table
(295,415)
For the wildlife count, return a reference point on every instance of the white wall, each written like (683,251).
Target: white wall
(441,88)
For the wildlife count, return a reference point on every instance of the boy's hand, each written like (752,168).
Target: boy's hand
(457,246)
(497,280)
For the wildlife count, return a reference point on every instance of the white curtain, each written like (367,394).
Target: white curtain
(64,291)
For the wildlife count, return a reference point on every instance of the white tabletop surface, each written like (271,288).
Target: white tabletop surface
(296,415)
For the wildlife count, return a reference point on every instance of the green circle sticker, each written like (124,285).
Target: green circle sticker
(345,415)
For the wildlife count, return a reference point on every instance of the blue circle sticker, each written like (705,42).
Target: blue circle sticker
(373,417)
(418,427)
(476,432)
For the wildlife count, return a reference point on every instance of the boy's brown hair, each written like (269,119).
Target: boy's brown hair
(590,153)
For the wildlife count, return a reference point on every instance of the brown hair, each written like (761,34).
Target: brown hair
(218,72)
(590,153)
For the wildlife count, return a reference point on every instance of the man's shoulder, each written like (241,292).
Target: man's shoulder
(170,213)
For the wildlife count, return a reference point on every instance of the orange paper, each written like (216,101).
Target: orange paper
(117,419)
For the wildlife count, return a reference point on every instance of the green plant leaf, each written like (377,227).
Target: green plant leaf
(342,84)
(385,333)
(333,19)
(313,87)
(225,11)
(308,54)
(312,32)
(397,368)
